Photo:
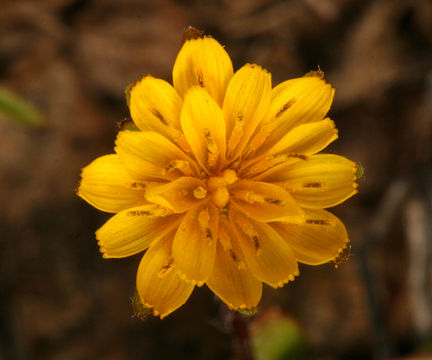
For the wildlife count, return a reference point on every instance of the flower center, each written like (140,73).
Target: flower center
(217,185)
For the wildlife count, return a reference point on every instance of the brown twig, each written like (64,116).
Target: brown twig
(239,328)
(384,215)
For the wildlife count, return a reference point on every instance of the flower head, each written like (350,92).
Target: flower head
(222,184)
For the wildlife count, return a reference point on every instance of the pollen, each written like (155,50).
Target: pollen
(199,193)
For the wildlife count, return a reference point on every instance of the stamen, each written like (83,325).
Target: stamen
(181,165)
(267,128)
(236,134)
(225,241)
(203,219)
(252,197)
(263,133)
(250,232)
(212,149)
(179,138)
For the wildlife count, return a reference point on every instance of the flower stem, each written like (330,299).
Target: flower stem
(240,335)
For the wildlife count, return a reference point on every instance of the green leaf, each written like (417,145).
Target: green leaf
(128,90)
(359,172)
(18,110)
(275,336)
(127,124)
(140,311)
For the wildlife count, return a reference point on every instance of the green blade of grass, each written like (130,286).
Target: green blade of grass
(18,110)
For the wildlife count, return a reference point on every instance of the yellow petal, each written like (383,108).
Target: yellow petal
(322,181)
(132,231)
(293,102)
(228,240)
(149,155)
(155,106)
(320,239)
(179,195)
(246,102)
(158,284)
(267,255)
(203,62)
(195,243)
(203,124)
(265,202)
(107,186)
(304,140)
(237,288)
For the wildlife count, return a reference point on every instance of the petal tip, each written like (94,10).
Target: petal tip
(282,283)
(188,280)
(315,73)
(192,33)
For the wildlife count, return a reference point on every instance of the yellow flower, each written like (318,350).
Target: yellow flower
(222,185)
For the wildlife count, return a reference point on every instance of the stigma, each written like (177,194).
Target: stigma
(217,186)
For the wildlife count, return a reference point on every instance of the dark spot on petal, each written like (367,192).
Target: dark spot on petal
(319,221)
(156,113)
(139,213)
(313,185)
(273,201)
(166,267)
(256,242)
(286,106)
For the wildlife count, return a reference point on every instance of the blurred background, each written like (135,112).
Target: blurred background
(72,59)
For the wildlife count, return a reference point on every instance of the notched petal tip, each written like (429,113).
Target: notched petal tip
(191,33)
(320,75)
(188,280)
(248,311)
(257,67)
(285,281)
(243,308)
(315,73)
(131,86)
(344,254)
